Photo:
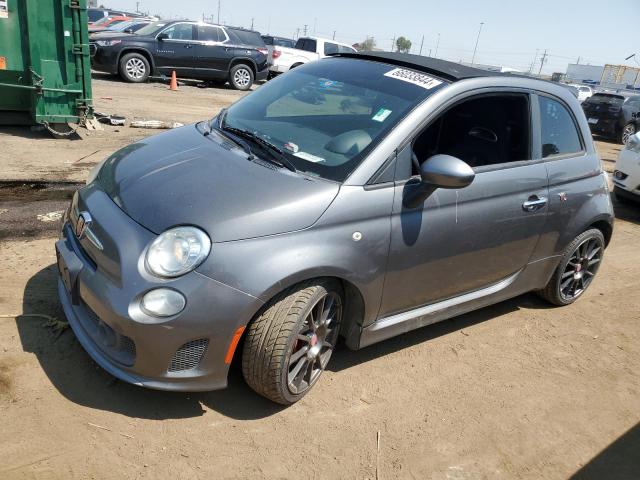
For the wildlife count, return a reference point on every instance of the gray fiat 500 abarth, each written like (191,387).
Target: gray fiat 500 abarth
(360,196)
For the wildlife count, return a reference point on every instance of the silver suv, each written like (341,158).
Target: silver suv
(361,196)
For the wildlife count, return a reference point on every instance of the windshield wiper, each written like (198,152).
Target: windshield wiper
(277,155)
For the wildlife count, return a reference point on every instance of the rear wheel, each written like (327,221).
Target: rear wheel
(627,132)
(577,269)
(289,345)
(134,68)
(241,77)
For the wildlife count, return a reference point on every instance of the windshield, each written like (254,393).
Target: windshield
(151,28)
(327,115)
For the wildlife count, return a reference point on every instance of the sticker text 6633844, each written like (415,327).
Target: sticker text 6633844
(421,79)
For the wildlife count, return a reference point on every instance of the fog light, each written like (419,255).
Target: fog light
(163,302)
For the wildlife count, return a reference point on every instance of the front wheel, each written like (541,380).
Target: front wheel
(134,68)
(241,77)
(577,269)
(289,345)
(627,132)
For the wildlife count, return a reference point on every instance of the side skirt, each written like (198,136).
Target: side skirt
(532,277)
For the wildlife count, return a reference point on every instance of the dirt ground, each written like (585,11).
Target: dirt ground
(516,390)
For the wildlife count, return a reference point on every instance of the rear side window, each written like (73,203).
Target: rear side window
(246,37)
(267,40)
(180,31)
(558,130)
(210,34)
(330,48)
(607,99)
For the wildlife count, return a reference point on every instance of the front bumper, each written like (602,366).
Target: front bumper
(185,352)
(627,172)
(104,59)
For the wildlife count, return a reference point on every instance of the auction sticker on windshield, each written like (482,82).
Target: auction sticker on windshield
(421,79)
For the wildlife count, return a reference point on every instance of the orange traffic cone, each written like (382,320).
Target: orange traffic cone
(173,86)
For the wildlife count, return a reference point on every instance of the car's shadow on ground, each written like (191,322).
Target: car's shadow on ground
(619,461)
(73,373)
(627,210)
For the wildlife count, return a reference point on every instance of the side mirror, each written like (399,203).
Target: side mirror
(440,171)
(162,37)
(128,30)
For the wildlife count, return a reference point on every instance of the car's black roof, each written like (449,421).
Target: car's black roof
(435,66)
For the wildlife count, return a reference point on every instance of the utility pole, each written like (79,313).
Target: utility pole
(578,61)
(305,30)
(334,35)
(315,21)
(477,40)
(297,33)
(252,23)
(533,64)
(437,45)
(393,43)
(421,44)
(542,61)
(138,7)
(429,52)
(219,11)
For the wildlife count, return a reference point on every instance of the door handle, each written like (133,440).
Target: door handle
(534,203)
(188,45)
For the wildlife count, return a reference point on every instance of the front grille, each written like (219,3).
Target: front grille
(117,346)
(188,356)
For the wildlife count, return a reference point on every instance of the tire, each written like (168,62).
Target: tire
(134,68)
(283,355)
(627,131)
(241,77)
(576,270)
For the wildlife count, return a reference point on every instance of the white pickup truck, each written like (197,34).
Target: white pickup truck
(306,50)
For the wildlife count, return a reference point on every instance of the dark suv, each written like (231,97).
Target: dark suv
(613,115)
(191,49)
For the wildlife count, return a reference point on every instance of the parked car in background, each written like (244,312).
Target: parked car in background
(272,42)
(626,175)
(584,92)
(192,49)
(95,14)
(107,22)
(360,196)
(571,88)
(130,26)
(306,50)
(613,115)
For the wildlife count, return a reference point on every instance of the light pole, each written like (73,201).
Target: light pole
(437,45)
(477,40)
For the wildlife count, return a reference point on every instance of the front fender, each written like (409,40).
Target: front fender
(265,266)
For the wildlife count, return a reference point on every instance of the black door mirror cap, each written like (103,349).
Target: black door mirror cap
(446,171)
(162,36)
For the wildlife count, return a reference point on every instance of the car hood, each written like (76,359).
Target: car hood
(182,177)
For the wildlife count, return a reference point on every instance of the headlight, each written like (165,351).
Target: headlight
(177,251)
(108,43)
(633,143)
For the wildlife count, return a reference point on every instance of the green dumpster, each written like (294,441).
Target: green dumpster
(45,69)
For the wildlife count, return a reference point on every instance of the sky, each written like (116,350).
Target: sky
(594,32)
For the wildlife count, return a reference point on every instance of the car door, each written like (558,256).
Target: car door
(175,47)
(464,240)
(211,55)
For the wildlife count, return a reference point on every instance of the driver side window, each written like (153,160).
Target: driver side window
(180,31)
(481,131)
